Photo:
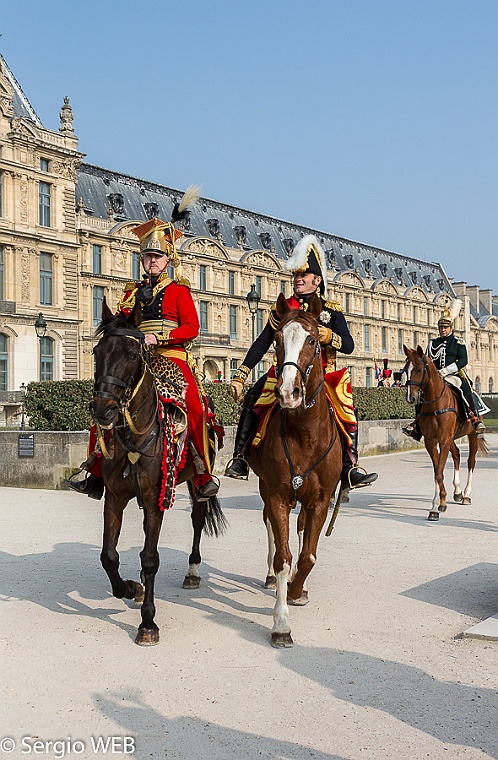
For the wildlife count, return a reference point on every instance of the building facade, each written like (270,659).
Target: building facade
(66,244)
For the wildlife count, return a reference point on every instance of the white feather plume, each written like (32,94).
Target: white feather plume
(190,196)
(455,308)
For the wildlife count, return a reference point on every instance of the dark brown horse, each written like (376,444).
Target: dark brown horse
(125,402)
(300,459)
(441,420)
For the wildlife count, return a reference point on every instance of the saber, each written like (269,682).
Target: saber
(334,516)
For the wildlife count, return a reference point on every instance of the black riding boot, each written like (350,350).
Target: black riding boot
(248,423)
(479,426)
(413,430)
(91,486)
(353,476)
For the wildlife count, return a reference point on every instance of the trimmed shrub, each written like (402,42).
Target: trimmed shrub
(63,404)
(59,404)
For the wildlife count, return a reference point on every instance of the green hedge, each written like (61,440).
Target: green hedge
(59,404)
(63,405)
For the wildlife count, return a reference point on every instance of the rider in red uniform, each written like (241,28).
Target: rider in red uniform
(169,322)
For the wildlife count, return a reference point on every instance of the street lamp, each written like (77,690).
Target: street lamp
(23,396)
(252,299)
(41,326)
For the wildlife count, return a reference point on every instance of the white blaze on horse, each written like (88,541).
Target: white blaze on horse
(442,420)
(299,459)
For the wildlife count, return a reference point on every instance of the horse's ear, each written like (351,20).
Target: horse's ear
(420,351)
(315,306)
(106,312)
(406,350)
(135,317)
(282,307)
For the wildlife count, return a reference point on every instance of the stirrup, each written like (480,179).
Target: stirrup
(209,489)
(236,475)
(367,480)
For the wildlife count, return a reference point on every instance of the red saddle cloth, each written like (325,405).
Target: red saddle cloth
(339,395)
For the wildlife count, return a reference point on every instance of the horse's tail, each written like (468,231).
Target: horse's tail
(482,447)
(215,522)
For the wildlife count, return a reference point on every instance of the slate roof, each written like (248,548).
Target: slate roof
(22,106)
(137,199)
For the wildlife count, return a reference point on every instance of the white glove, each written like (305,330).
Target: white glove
(451,369)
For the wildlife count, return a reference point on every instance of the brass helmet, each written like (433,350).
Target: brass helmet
(451,312)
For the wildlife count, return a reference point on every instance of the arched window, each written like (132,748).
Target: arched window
(477,384)
(4,362)
(46,359)
(490,385)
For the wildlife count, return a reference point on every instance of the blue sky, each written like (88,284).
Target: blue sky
(375,120)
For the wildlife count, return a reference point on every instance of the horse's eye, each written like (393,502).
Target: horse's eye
(311,340)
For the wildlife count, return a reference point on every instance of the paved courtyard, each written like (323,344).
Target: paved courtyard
(379,668)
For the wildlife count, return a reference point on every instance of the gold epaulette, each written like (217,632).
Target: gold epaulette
(128,298)
(131,285)
(183,281)
(334,305)
(460,340)
(273,319)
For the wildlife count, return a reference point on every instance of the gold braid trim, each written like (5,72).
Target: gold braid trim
(128,299)
(334,305)
(336,341)
(273,319)
(242,373)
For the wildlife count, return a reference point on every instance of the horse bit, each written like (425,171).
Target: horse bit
(304,376)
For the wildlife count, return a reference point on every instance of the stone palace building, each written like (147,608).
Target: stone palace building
(66,242)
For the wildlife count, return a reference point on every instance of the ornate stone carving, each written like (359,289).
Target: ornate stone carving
(66,117)
(241,235)
(151,210)
(260,260)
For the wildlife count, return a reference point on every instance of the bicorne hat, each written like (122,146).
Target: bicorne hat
(308,257)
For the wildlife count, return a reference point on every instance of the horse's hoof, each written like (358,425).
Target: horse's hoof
(139,594)
(300,602)
(147,637)
(458,497)
(466,500)
(271,582)
(442,508)
(433,516)
(281,640)
(191,581)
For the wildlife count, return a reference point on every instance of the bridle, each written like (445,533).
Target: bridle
(304,376)
(421,385)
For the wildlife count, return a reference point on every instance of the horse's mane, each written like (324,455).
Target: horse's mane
(109,324)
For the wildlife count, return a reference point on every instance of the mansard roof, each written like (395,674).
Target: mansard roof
(22,106)
(137,199)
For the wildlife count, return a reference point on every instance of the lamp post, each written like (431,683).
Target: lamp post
(23,396)
(252,299)
(40,329)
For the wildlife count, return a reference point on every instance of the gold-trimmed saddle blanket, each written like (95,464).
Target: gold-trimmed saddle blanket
(339,395)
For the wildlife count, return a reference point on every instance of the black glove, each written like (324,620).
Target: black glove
(144,294)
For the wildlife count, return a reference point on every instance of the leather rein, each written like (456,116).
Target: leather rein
(421,386)
(298,480)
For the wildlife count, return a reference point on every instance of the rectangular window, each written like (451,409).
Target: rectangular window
(2,275)
(97,259)
(366,337)
(348,303)
(44,204)
(44,165)
(259,321)
(46,278)
(283,287)
(415,315)
(46,359)
(233,322)
(368,377)
(365,306)
(383,309)
(231,282)
(260,369)
(259,286)
(203,315)
(233,367)
(98,297)
(1,193)
(4,362)
(171,272)
(135,265)
(415,339)
(399,312)
(384,340)
(202,277)
(400,341)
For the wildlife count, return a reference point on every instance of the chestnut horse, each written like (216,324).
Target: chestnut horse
(300,459)
(441,420)
(125,401)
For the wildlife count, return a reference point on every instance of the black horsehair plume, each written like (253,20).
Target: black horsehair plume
(180,209)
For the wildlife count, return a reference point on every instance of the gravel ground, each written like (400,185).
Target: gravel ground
(378,670)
